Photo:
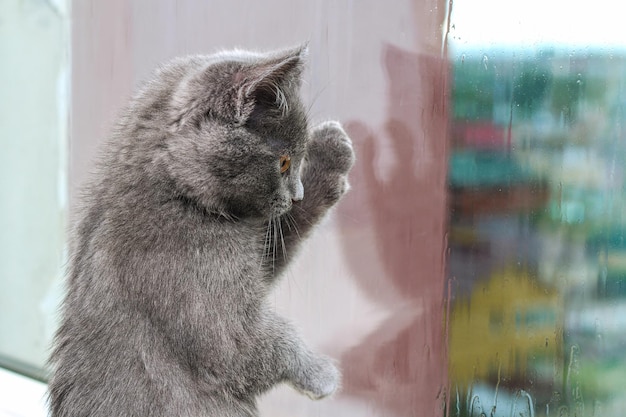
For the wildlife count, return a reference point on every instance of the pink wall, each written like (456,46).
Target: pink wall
(368,287)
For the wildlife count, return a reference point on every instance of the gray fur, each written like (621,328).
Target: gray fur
(181,235)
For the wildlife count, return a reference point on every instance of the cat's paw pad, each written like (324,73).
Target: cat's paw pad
(320,380)
(332,146)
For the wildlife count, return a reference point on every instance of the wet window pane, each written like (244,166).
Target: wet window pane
(536,276)
(34,102)
(477,266)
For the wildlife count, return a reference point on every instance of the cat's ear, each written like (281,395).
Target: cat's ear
(258,86)
(266,84)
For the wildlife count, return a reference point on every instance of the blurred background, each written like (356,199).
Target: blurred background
(477,267)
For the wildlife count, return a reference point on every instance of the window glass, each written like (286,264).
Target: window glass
(33,120)
(367,287)
(536,269)
(478,265)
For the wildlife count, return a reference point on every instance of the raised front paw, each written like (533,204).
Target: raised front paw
(331,148)
(319,380)
(329,158)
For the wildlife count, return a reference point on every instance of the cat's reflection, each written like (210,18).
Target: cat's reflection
(399,199)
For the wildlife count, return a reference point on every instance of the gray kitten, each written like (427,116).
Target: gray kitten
(209,183)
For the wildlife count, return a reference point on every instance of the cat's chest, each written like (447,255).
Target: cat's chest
(239,245)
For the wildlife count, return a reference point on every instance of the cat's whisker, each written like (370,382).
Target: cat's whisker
(266,243)
(291,224)
(291,220)
(286,220)
(270,239)
(282,239)
(314,100)
(225,215)
(304,216)
(275,244)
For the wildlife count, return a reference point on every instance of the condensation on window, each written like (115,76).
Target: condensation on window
(536,271)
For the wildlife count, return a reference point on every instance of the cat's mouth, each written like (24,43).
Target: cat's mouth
(279,206)
(279,211)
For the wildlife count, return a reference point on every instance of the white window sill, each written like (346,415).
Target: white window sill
(21,396)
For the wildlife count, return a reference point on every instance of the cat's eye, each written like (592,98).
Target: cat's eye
(285,163)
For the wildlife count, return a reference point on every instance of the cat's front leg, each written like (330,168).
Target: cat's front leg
(310,373)
(320,378)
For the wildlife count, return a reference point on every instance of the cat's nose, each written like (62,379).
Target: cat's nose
(298,194)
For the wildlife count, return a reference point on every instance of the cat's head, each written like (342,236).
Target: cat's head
(235,130)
